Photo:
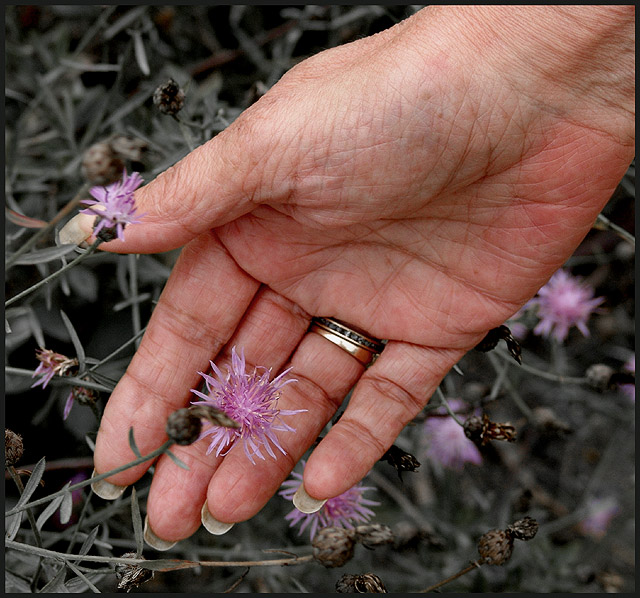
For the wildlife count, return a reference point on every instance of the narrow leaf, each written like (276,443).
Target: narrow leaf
(50,509)
(22,220)
(77,345)
(177,461)
(56,585)
(33,482)
(89,540)
(137,522)
(140,53)
(66,507)
(12,525)
(44,256)
(132,443)
(169,564)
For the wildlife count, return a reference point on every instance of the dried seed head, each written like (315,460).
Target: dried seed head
(183,427)
(495,547)
(101,165)
(599,376)
(490,341)
(523,529)
(333,546)
(13,447)
(169,97)
(400,459)
(369,583)
(546,418)
(374,534)
(131,576)
(84,396)
(481,430)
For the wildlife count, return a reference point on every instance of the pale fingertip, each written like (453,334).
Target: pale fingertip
(106,490)
(77,230)
(211,524)
(152,540)
(305,503)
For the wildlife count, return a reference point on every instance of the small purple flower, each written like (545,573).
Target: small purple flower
(249,399)
(563,302)
(340,511)
(51,364)
(629,390)
(447,442)
(114,205)
(600,513)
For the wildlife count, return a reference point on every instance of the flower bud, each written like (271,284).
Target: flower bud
(495,547)
(183,427)
(101,165)
(369,583)
(169,97)
(599,376)
(333,546)
(524,529)
(131,576)
(373,534)
(13,447)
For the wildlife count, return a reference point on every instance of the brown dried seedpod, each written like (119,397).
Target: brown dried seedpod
(131,576)
(214,416)
(13,447)
(495,547)
(84,396)
(373,534)
(481,430)
(523,529)
(169,97)
(183,427)
(400,459)
(490,341)
(333,546)
(101,165)
(368,583)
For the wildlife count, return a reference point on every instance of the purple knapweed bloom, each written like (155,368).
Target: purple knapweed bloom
(563,302)
(114,205)
(249,399)
(447,442)
(341,511)
(600,513)
(51,364)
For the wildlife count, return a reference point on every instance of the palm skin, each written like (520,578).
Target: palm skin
(409,189)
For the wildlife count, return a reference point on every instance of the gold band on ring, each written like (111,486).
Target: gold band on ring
(354,342)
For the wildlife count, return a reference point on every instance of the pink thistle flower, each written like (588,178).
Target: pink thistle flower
(600,513)
(563,302)
(51,364)
(249,399)
(340,511)
(447,442)
(114,205)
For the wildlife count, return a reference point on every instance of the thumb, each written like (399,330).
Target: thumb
(207,188)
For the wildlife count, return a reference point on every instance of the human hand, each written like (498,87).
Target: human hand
(421,184)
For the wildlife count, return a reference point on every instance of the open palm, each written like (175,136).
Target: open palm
(384,183)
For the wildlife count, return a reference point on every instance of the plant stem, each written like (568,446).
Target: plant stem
(471,567)
(152,455)
(80,258)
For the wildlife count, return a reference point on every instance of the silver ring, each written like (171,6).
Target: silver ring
(355,342)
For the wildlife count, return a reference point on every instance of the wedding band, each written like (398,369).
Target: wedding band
(355,342)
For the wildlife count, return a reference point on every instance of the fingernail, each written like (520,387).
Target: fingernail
(152,540)
(211,524)
(77,230)
(105,489)
(305,503)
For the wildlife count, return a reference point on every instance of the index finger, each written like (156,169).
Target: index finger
(204,300)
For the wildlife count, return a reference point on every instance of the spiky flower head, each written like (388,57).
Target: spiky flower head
(52,364)
(250,399)
(565,301)
(341,511)
(114,204)
(447,443)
